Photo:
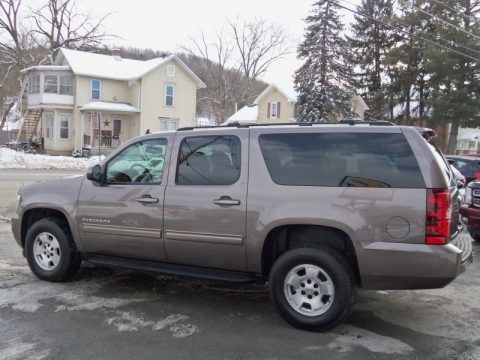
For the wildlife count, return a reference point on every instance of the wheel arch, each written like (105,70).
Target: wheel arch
(285,237)
(32,215)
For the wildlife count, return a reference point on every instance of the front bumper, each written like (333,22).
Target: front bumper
(17,229)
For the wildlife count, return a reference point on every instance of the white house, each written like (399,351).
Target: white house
(87,100)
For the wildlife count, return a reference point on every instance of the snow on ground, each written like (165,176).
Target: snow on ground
(11,159)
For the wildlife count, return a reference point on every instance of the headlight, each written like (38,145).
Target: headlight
(468,195)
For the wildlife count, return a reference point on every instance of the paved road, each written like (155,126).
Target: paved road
(127,315)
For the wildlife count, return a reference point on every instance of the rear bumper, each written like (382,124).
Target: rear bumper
(395,266)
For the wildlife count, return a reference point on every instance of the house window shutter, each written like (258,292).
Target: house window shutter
(268,111)
(278,109)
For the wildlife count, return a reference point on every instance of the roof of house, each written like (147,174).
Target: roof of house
(290,94)
(246,115)
(109,106)
(111,67)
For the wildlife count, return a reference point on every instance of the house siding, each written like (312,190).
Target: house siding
(153,98)
(56,145)
(287,109)
(111,90)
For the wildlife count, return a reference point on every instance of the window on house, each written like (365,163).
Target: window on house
(66,85)
(169,95)
(273,110)
(167,124)
(49,125)
(34,84)
(64,126)
(472,144)
(117,127)
(50,84)
(171,70)
(96,85)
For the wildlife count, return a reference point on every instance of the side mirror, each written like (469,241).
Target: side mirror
(94,173)
(451,161)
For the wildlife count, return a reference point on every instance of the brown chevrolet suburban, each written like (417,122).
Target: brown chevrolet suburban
(314,210)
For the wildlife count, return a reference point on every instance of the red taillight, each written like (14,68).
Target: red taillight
(439,217)
(477,175)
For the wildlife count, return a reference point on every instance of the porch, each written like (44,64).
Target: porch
(105,126)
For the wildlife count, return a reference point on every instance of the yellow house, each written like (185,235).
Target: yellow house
(91,101)
(276,105)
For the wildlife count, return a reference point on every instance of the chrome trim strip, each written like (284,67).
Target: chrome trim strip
(122,230)
(204,237)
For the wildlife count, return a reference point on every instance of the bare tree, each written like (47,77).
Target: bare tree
(14,41)
(259,44)
(233,63)
(59,23)
(214,58)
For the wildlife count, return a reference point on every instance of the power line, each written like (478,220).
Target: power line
(406,32)
(444,21)
(471,18)
(439,37)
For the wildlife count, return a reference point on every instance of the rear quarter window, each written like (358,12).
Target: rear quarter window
(341,159)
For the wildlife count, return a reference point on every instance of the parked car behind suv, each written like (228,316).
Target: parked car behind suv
(315,210)
(470,210)
(467,165)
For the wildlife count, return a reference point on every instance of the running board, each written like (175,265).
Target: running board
(174,269)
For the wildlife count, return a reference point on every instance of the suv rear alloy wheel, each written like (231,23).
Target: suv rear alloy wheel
(312,287)
(50,251)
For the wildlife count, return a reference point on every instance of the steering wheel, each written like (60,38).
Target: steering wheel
(143,174)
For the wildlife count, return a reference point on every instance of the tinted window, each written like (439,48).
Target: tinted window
(339,159)
(139,163)
(209,160)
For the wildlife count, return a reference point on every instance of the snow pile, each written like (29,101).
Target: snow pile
(11,159)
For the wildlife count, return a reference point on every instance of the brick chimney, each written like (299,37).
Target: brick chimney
(116,53)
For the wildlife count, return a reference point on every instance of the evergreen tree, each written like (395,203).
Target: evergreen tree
(409,85)
(322,81)
(369,43)
(455,77)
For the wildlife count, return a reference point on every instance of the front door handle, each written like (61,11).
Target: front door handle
(226,201)
(148,199)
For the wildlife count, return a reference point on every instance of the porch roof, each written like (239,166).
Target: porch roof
(109,106)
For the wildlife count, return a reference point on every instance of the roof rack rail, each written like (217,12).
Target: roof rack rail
(344,122)
(366,122)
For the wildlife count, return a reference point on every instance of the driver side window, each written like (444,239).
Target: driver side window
(139,163)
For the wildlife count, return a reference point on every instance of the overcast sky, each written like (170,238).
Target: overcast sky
(164,25)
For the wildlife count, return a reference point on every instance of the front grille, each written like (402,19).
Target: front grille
(476,202)
(476,192)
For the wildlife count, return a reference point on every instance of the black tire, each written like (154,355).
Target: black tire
(475,237)
(44,233)
(334,270)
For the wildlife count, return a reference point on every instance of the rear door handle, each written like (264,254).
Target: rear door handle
(226,201)
(148,199)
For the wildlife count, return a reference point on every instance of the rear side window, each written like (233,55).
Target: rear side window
(208,160)
(341,159)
